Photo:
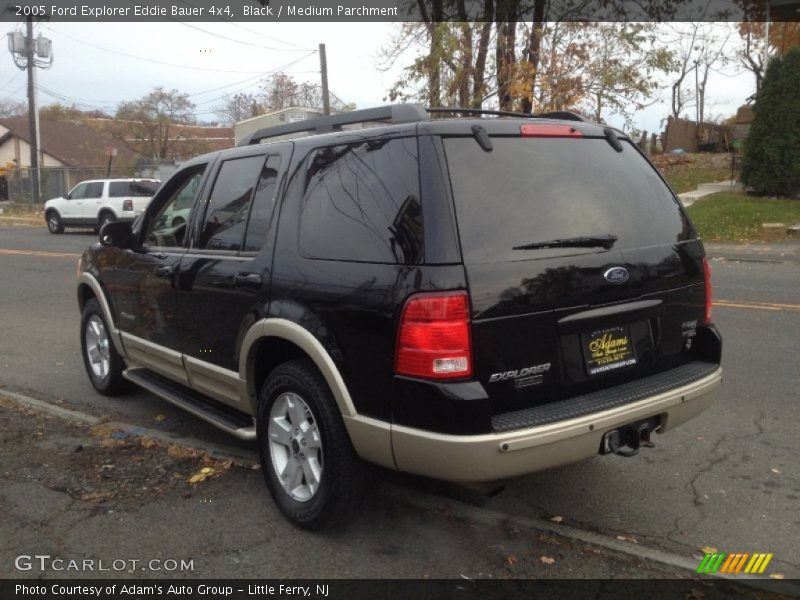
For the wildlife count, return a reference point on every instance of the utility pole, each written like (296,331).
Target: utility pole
(697,104)
(323,67)
(33,114)
(28,54)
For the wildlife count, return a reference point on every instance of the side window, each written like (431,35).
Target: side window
(94,190)
(229,204)
(362,204)
(167,227)
(263,205)
(78,192)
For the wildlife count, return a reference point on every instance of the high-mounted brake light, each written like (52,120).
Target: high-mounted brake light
(707,281)
(549,130)
(433,341)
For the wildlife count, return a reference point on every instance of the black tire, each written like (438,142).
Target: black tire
(342,474)
(105,217)
(54,222)
(113,383)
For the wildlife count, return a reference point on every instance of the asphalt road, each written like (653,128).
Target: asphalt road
(728,480)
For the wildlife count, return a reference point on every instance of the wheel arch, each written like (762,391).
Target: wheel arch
(270,342)
(370,437)
(104,210)
(88,288)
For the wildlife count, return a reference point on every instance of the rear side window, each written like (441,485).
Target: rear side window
(531,190)
(229,204)
(263,205)
(361,203)
(119,189)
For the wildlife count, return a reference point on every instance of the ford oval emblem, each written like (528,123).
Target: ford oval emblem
(617,275)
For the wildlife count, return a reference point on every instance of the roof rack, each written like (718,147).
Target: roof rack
(558,114)
(393,114)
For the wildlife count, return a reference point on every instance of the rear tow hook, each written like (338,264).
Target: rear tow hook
(627,440)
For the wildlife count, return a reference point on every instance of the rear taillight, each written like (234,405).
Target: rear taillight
(707,281)
(127,204)
(549,130)
(434,341)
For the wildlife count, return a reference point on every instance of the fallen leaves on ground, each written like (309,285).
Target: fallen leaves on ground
(776,471)
(212,468)
(777,576)
(547,560)
(708,550)
(511,559)
(556,519)
(627,538)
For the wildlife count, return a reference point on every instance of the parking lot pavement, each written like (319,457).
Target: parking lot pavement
(727,480)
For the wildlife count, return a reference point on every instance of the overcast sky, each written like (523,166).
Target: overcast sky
(99,65)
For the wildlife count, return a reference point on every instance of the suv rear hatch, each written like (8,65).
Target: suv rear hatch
(583,270)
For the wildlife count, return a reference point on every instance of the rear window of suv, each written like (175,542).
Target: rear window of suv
(529,190)
(120,189)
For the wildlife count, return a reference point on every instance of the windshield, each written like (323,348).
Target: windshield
(528,190)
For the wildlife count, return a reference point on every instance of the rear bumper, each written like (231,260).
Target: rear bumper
(489,457)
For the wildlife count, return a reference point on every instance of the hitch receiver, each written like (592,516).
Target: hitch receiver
(626,440)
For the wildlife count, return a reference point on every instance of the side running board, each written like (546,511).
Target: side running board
(228,419)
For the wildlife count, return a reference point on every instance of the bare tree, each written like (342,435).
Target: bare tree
(149,122)
(239,107)
(12,108)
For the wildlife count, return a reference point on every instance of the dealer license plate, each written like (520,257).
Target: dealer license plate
(608,349)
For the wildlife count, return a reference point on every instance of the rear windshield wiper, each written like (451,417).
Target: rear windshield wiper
(594,241)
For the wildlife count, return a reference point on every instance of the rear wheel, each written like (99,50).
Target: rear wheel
(54,222)
(103,363)
(309,464)
(106,217)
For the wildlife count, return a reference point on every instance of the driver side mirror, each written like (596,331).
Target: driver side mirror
(68,196)
(117,234)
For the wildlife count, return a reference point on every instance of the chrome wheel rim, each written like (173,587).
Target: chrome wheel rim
(295,446)
(97,347)
(53,222)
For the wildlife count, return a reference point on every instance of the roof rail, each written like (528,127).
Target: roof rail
(393,114)
(558,114)
(480,111)
(564,115)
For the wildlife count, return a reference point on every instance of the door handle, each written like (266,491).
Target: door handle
(247,280)
(163,271)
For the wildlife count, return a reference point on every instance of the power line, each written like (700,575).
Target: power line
(224,37)
(278,70)
(11,94)
(150,60)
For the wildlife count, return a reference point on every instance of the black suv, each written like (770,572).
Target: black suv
(463,298)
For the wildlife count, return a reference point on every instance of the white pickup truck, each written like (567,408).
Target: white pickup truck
(97,202)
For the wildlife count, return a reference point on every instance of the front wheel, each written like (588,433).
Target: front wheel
(103,363)
(309,464)
(54,222)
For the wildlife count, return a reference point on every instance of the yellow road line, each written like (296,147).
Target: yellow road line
(756,305)
(38,253)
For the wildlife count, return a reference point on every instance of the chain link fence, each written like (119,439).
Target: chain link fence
(16,185)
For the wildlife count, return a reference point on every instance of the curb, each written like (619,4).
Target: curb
(424,501)
(238,457)
(21,221)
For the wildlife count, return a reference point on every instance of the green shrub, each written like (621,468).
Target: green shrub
(771,162)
